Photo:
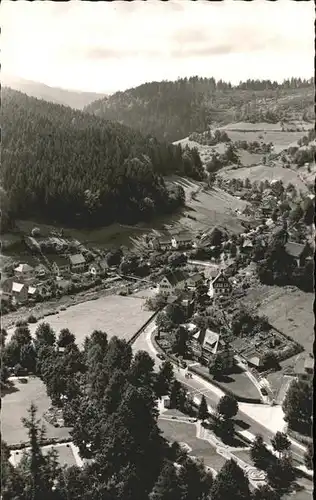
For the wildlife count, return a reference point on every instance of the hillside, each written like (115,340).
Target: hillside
(71,167)
(173,110)
(72,98)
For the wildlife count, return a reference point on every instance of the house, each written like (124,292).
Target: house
(300,253)
(183,240)
(32,292)
(173,280)
(186,300)
(195,280)
(77,263)
(247,246)
(161,243)
(19,293)
(304,368)
(24,271)
(206,344)
(60,265)
(98,268)
(221,284)
(41,271)
(255,361)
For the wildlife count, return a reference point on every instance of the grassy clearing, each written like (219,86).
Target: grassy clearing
(210,208)
(263,172)
(64,451)
(114,314)
(238,383)
(15,406)
(186,433)
(289,310)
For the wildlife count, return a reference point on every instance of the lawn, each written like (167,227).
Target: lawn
(210,208)
(15,405)
(289,309)
(64,451)
(263,172)
(114,314)
(186,433)
(237,382)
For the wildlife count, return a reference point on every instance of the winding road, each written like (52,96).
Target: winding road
(249,415)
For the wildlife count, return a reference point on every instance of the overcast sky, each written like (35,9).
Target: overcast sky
(105,47)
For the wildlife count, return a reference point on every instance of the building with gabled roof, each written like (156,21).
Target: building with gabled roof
(300,253)
(182,240)
(77,262)
(221,285)
(19,293)
(24,271)
(173,280)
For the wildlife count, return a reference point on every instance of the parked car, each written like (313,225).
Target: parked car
(264,391)
(160,356)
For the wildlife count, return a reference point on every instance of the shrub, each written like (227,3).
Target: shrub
(21,322)
(32,319)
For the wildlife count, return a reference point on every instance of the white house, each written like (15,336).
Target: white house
(183,240)
(24,271)
(173,280)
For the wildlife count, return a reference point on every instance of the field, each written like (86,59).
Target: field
(289,310)
(15,405)
(210,208)
(264,172)
(186,433)
(114,314)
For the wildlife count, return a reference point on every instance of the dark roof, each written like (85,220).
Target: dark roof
(183,237)
(60,260)
(221,276)
(294,249)
(195,277)
(186,295)
(175,277)
(77,259)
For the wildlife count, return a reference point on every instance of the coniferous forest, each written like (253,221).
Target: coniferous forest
(174,110)
(77,169)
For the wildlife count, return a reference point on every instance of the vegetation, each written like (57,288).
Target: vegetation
(74,168)
(174,110)
(297,406)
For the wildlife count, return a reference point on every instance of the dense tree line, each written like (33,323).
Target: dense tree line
(174,110)
(72,167)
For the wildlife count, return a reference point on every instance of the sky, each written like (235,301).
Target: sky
(105,47)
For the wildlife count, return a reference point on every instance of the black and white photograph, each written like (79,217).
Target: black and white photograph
(157,191)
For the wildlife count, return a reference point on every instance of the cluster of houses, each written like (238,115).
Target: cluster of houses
(178,280)
(29,281)
(204,343)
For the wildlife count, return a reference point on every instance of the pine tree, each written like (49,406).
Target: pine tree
(167,486)
(164,379)
(195,481)
(203,409)
(230,482)
(281,443)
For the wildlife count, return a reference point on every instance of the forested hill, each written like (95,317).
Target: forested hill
(173,110)
(71,167)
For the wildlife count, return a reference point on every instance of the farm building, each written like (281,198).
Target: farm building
(19,293)
(221,284)
(173,280)
(77,263)
(300,253)
(24,271)
(183,240)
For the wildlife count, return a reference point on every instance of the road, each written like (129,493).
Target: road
(197,386)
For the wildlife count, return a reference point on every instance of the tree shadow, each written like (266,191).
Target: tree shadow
(241,423)
(8,388)
(226,379)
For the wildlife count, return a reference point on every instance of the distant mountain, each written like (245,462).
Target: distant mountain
(74,99)
(173,110)
(68,166)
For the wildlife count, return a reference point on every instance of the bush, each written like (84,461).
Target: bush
(21,322)
(32,319)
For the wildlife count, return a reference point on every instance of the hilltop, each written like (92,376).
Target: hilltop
(74,99)
(173,110)
(74,168)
